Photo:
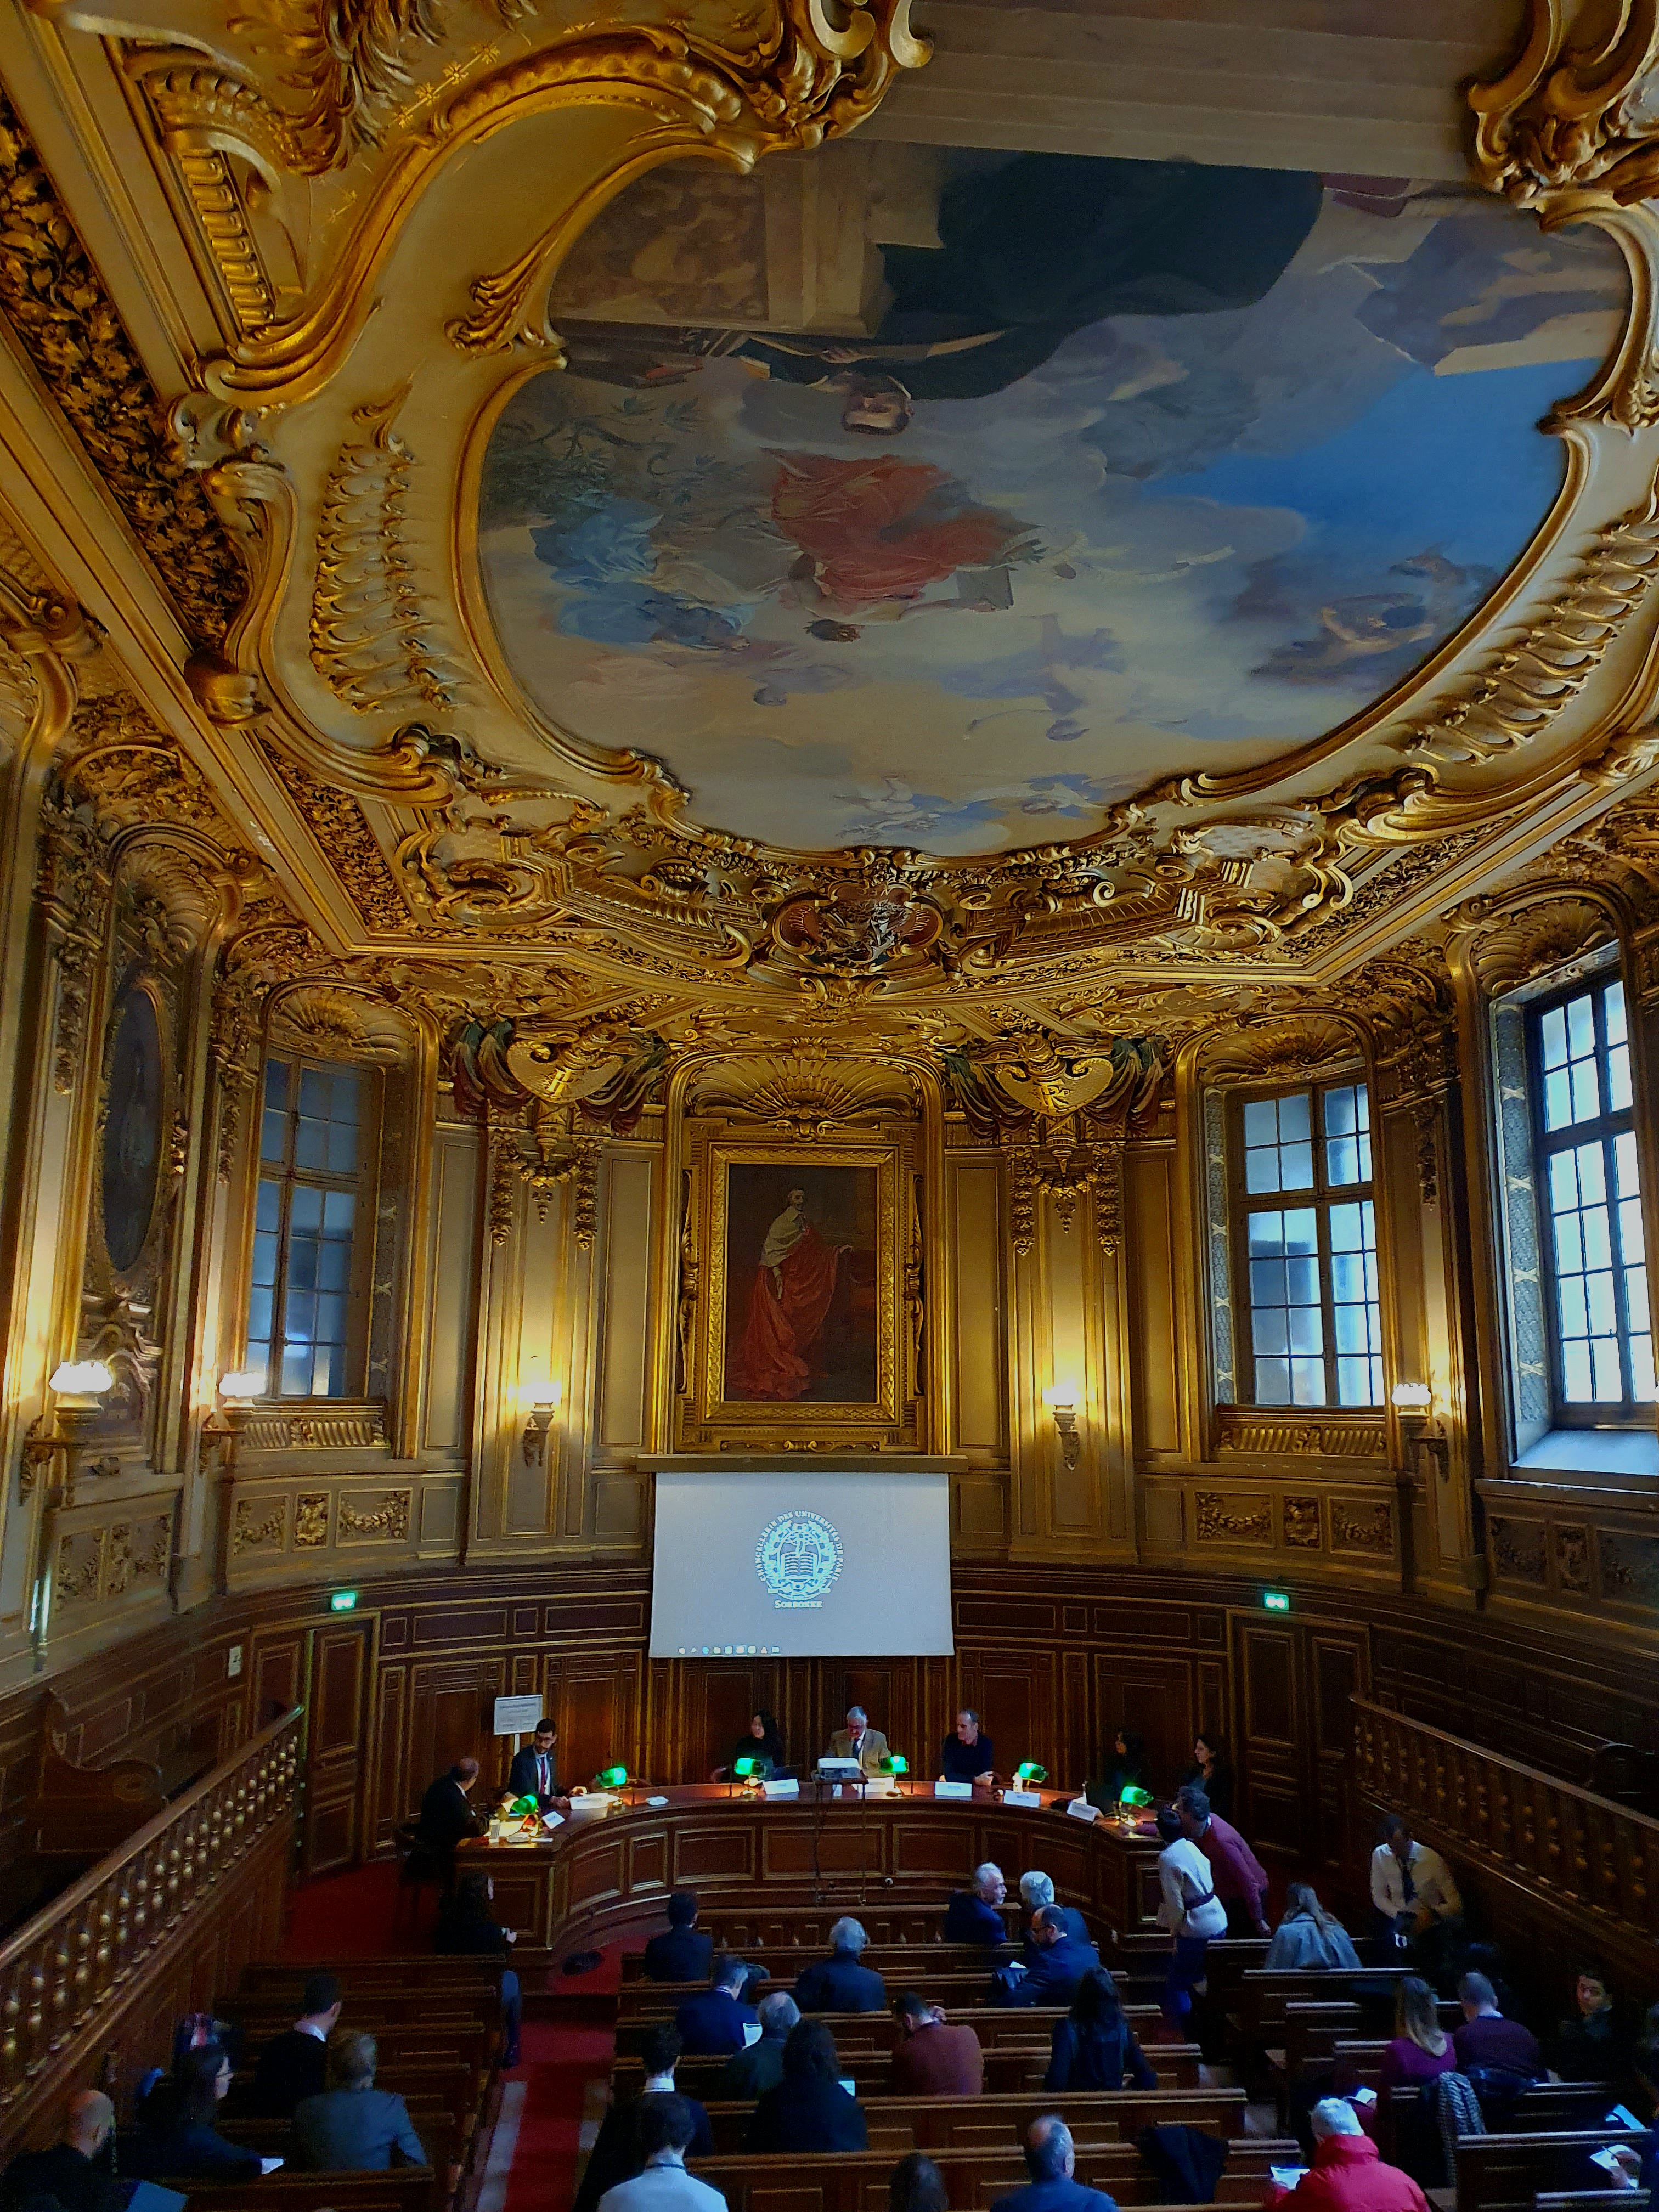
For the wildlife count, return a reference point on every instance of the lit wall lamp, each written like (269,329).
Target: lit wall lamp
(238,1389)
(79,1388)
(1412,1402)
(1061,1400)
(543,1400)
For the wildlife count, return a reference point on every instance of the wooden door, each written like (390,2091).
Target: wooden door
(335,1747)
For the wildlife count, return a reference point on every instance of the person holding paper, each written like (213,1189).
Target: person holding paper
(535,1772)
(748,2074)
(967,1755)
(177,2139)
(715,2021)
(1348,2174)
(858,1740)
(809,2110)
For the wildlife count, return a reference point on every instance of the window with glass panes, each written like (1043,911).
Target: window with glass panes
(1308,1227)
(1589,1193)
(300,1305)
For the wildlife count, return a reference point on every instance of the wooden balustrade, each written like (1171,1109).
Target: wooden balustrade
(1583,1855)
(67,1971)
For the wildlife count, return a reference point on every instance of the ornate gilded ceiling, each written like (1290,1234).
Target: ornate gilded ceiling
(596,537)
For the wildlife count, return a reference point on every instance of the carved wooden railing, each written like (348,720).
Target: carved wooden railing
(1597,1861)
(74,1959)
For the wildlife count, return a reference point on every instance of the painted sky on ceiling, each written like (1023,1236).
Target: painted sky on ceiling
(964,583)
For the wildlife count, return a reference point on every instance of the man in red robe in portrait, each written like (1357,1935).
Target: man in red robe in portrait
(794,1285)
(878,530)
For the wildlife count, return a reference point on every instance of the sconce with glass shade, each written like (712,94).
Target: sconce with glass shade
(79,1388)
(238,1387)
(542,1398)
(1062,1398)
(1412,1402)
(241,1386)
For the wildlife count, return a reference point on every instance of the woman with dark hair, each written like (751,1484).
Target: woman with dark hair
(1421,2048)
(1093,2044)
(1212,1772)
(916,2185)
(760,1741)
(1308,1937)
(809,2110)
(176,2138)
(1125,1769)
(467,1927)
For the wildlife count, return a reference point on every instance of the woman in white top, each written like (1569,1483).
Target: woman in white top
(1191,1911)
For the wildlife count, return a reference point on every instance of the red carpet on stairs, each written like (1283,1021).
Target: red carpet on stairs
(558,2063)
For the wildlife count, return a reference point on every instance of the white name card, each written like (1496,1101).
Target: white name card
(1081,1809)
(790,1789)
(517,1715)
(1031,1797)
(953,1789)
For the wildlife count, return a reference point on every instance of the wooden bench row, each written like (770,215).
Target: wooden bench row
(1098,2118)
(1006,2072)
(1506,2172)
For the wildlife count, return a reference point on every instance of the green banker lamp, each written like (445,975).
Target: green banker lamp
(751,1771)
(611,1777)
(897,1765)
(1133,1801)
(1029,1775)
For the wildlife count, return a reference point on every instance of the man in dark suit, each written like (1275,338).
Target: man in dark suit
(684,1953)
(715,2021)
(972,1917)
(534,1772)
(839,1982)
(71,2174)
(294,2065)
(1051,2161)
(616,2154)
(355,2128)
(1059,1963)
(931,2057)
(1037,1890)
(447,1818)
(748,2074)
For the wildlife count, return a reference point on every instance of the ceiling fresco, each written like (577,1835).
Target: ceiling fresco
(1048,478)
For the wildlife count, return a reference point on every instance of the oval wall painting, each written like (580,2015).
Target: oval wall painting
(132,1130)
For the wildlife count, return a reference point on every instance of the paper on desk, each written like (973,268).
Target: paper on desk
(751,2033)
(269,2165)
(1286,2176)
(849,2085)
(1621,2117)
(552,1821)
(1365,2097)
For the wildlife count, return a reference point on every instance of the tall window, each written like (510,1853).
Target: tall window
(1309,1245)
(301,1310)
(1589,1193)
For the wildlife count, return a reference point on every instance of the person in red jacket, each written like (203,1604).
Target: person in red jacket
(1348,2174)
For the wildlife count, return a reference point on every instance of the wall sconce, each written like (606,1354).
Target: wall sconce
(79,1388)
(543,1400)
(1061,1400)
(1411,1401)
(221,1431)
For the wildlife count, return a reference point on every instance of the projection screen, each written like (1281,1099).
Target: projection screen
(801,1565)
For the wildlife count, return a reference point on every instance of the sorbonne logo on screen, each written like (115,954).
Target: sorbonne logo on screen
(797,1558)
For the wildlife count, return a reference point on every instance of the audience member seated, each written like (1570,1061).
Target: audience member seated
(931,2057)
(355,2128)
(1489,2041)
(535,1773)
(760,1742)
(839,1982)
(809,2110)
(1058,1962)
(750,2074)
(968,1755)
(1586,2048)
(1037,1890)
(714,2022)
(1125,1769)
(73,2173)
(1212,1772)
(972,1917)
(685,1953)
(1240,1878)
(1421,2048)
(617,2155)
(447,1818)
(1411,1886)
(467,1928)
(176,2138)
(1348,2174)
(1094,2046)
(1308,1937)
(662,2185)
(916,2185)
(1051,2161)
(294,2063)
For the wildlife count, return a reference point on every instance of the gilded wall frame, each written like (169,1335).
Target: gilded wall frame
(803,1335)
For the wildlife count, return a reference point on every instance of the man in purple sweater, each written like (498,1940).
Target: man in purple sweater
(1487,2039)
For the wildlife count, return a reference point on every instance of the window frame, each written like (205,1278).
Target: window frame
(1318,1197)
(361,1181)
(1565,1412)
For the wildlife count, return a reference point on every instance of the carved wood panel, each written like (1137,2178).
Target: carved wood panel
(335,1770)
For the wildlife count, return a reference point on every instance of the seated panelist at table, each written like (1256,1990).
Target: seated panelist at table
(858,1740)
(761,1742)
(967,1755)
(535,1771)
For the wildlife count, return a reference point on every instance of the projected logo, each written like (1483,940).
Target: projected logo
(797,1558)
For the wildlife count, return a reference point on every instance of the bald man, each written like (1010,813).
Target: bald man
(71,2171)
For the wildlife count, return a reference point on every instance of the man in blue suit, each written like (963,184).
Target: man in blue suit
(715,2022)
(1051,2161)
(839,1982)
(972,1917)
(684,1953)
(1059,1964)
(534,1772)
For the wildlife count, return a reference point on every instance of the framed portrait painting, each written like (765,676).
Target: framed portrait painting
(803,1321)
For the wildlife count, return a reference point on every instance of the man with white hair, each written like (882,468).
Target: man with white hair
(1051,2161)
(840,1983)
(1348,2174)
(972,1916)
(1037,1890)
(858,1740)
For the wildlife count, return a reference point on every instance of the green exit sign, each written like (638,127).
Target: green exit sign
(343,1602)
(1276,1600)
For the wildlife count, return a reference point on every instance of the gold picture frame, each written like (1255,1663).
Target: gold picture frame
(807,1330)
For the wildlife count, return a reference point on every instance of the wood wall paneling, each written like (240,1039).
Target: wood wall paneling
(337,1744)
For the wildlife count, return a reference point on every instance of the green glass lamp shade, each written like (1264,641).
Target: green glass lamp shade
(523,1805)
(611,1777)
(1029,1771)
(899,1764)
(1135,1795)
(743,1768)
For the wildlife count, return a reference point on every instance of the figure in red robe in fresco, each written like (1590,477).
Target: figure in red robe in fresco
(794,1285)
(878,529)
